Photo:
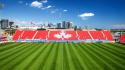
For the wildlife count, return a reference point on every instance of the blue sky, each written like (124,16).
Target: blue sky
(94,13)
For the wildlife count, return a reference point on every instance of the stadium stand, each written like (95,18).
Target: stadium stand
(42,35)
(54,35)
(108,35)
(70,35)
(30,35)
(63,35)
(84,35)
(122,39)
(27,34)
(3,38)
(17,34)
(97,35)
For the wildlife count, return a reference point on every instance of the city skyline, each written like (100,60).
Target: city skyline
(95,13)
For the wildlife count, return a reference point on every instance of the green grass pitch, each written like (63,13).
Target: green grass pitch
(62,56)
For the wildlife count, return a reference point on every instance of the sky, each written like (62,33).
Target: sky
(93,13)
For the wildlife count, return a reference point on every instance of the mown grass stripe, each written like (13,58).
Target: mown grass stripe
(59,61)
(37,64)
(74,59)
(82,61)
(56,53)
(48,51)
(83,56)
(110,54)
(6,44)
(103,63)
(68,57)
(26,61)
(50,60)
(117,46)
(9,46)
(107,56)
(84,53)
(110,45)
(104,56)
(9,51)
(65,57)
(112,50)
(16,58)
(4,58)
(34,57)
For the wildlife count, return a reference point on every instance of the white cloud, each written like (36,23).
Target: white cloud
(85,16)
(49,6)
(40,4)
(37,4)
(44,1)
(65,10)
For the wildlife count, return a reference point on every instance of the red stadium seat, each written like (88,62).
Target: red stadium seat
(108,35)
(71,35)
(122,39)
(62,35)
(83,35)
(17,34)
(97,35)
(42,35)
(28,34)
(54,35)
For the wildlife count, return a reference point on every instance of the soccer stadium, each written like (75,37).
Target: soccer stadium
(61,46)
(61,49)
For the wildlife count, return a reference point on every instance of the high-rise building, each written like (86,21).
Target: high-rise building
(69,25)
(59,25)
(64,24)
(4,23)
(11,24)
